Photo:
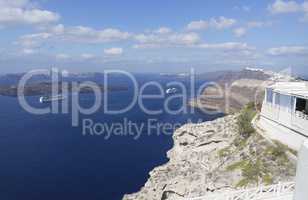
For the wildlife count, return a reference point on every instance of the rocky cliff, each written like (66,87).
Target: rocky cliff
(213,156)
(227,153)
(231,90)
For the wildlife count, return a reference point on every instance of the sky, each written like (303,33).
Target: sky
(153,36)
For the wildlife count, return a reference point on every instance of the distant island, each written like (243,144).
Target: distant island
(45,88)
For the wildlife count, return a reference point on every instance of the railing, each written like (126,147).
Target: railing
(261,193)
(274,108)
(294,120)
(301,115)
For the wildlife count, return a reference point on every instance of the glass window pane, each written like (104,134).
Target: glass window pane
(277,98)
(285,101)
(269,95)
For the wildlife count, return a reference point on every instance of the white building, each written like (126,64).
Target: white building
(284,114)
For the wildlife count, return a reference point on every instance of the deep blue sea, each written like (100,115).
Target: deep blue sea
(44,158)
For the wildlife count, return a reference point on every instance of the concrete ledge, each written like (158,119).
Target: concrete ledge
(301,192)
(278,132)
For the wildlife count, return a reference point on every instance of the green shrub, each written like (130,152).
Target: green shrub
(240,142)
(250,106)
(285,147)
(224,152)
(237,165)
(252,172)
(267,179)
(278,153)
(244,121)
(242,183)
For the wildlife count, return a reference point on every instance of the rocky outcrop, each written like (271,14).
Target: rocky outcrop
(210,157)
(233,90)
(231,97)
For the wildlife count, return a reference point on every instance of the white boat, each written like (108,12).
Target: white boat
(171,90)
(45,99)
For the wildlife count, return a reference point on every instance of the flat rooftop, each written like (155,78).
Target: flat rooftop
(299,89)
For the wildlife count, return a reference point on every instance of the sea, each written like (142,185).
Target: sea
(45,157)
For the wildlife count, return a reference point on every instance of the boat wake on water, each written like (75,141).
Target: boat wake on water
(46,99)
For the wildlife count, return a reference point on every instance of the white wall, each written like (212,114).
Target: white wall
(286,117)
(301,190)
(280,133)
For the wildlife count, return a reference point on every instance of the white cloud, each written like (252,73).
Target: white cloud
(281,6)
(163,30)
(305,8)
(24,12)
(305,18)
(222,22)
(288,50)
(197,25)
(228,46)
(57,29)
(258,24)
(28,51)
(90,35)
(32,40)
(185,39)
(113,51)
(243,8)
(13,3)
(76,34)
(240,32)
(190,40)
(246,8)
(62,56)
(166,40)
(87,56)
(217,23)
(225,51)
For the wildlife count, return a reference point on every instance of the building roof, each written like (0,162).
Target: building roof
(299,89)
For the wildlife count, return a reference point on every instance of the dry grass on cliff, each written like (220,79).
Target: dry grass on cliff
(258,161)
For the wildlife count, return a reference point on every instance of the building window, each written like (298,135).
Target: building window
(277,99)
(292,103)
(286,101)
(269,95)
(301,105)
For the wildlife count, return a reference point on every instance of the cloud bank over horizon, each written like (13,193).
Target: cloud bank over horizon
(37,34)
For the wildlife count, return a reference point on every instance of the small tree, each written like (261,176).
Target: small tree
(244,121)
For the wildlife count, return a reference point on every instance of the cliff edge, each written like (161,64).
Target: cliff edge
(215,156)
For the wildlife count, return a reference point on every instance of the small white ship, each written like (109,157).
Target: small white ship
(171,90)
(45,99)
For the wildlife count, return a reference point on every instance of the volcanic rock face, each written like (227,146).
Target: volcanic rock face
(232,90)
(198,163)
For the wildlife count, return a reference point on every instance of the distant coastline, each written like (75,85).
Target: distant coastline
(45,88)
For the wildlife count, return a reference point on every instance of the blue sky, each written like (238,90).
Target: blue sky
(153,36)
